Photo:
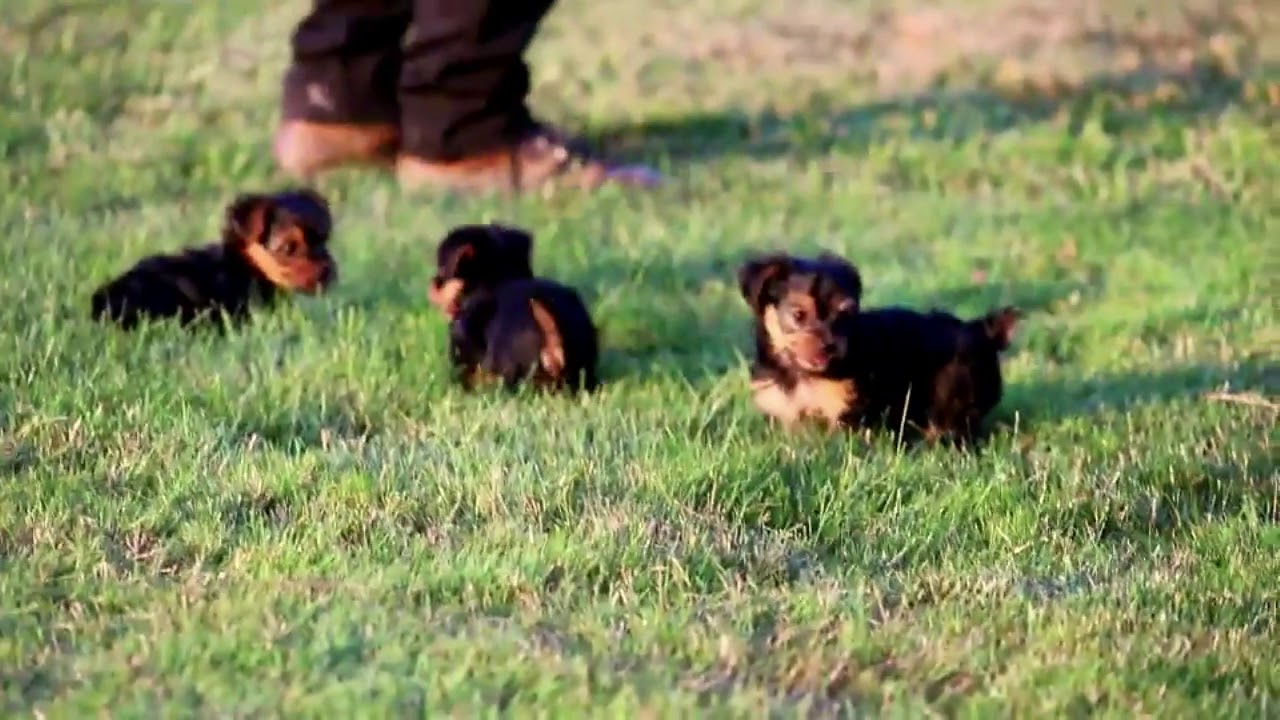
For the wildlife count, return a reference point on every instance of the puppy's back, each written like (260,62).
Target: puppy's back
(182,285)
(543,328)
(949,366)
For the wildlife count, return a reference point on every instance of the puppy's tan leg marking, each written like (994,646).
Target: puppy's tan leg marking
(826,399)
(446,296)
(552,355)
(775,402)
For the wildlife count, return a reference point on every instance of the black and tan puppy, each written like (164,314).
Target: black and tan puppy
(800,369)
(506,325)
(271,244)
(819,355)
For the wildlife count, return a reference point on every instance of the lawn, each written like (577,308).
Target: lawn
(305,518)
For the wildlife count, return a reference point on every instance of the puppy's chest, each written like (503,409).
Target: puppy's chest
(815,398)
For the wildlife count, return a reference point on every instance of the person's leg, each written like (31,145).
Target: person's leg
(464,79)
(463,115)
(340,103)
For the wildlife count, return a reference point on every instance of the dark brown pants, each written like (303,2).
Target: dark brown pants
(456,85)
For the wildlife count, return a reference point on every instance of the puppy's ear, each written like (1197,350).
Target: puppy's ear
(245,221)
(309,208)
(845,274)
(513,241)
(455,258)
(758,279)
(461,247)
(1000,325)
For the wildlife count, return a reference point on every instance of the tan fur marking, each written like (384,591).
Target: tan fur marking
(932,433)
(817,398)
(825,399)
(775,402)
(301,274)
(277,272)
(446,295)
(280,237)
(804,300)
(552,343)
(777,338)
(786,346)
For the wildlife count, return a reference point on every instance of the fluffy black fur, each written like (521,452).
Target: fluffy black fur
(223,281)
(819,355)
(931,374)
(495,335)
(505,324)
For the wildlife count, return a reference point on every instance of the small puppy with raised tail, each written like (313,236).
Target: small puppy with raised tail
(506,325)
(272,244)
(820,355)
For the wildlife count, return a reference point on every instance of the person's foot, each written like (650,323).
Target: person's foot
(542,160)
(304,148)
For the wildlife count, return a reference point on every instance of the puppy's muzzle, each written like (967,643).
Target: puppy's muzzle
(815,353)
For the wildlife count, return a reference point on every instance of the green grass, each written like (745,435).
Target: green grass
(305,518)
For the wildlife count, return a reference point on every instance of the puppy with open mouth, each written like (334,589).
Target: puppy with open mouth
(271,245)
(820,355)
(505,325)
(800,370)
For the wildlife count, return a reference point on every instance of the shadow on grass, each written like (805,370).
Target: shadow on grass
(315,425)
(1224,476)
(1046,400)
(1118,103)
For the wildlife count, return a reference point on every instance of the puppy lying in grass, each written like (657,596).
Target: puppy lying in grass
(271,244)
(505,325)
(819,355)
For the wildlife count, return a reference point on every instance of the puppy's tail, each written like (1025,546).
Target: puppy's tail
(998,325)
(552,354)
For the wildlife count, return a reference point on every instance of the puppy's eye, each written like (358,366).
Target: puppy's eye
(798,315)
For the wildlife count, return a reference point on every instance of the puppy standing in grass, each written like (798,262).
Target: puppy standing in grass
(505,324)
(271,244)
(819,355)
